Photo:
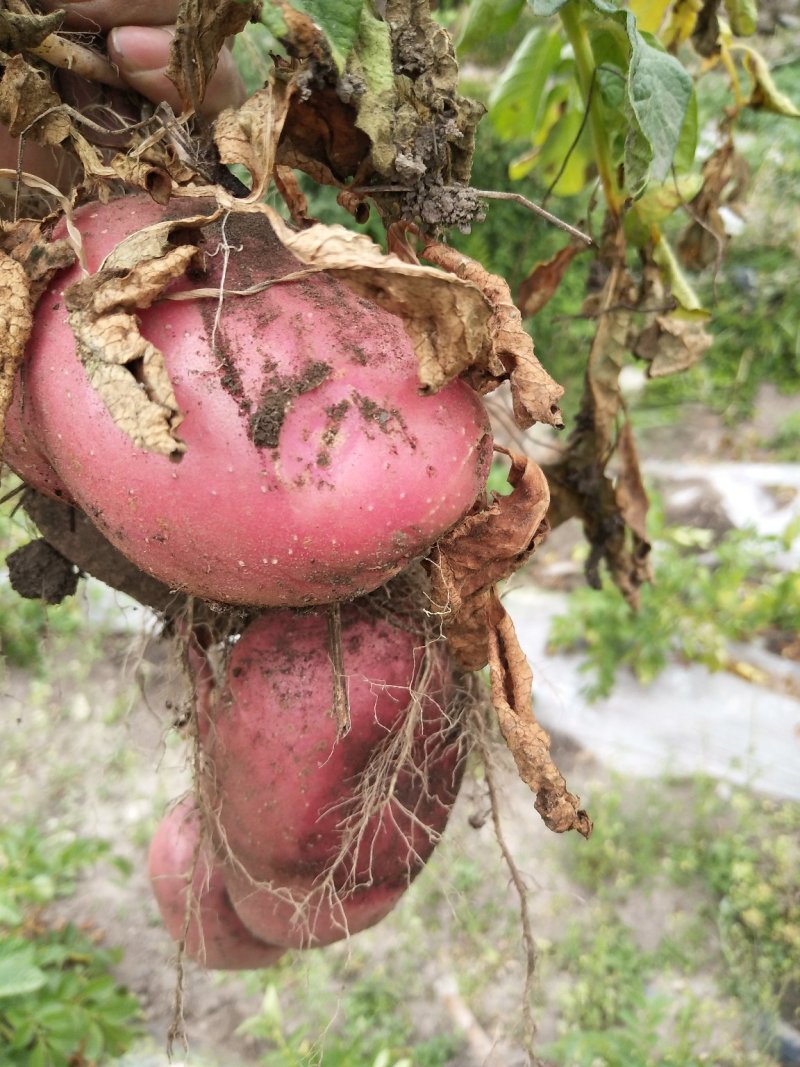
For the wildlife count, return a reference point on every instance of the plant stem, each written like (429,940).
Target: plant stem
(584,61)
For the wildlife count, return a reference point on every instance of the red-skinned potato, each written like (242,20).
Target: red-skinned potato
(24,454)
(288,795)
(314,470)
(215,936)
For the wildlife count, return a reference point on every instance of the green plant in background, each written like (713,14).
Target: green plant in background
(367,1028)
(59,1005)
(25,623)
(601,104)
(696,605)
(739,854)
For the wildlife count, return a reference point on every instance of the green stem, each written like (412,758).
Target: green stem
(584,61)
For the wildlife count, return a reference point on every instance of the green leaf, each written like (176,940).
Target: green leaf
(680,287)
(743,16)
(9,914)
(371,63)
(686,148)
(659,91)
(488,18)
(766,95)
(545,8)
(339,20)
(19,974)
(516,100)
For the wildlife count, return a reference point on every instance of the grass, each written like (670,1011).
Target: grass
(703,597)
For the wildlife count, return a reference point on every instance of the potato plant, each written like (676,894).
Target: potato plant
(272,431)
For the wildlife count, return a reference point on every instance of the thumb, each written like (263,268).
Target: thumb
(141,54)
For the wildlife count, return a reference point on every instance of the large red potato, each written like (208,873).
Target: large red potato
(288,795)
(314,470)
(215,936)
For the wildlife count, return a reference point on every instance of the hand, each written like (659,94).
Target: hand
(139,34)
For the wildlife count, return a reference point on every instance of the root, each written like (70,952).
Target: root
(341,703)
(479,735)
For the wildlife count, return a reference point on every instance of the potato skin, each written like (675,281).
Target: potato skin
(216,936)
(284,787)
(314,470)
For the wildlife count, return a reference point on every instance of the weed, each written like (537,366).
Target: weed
(694,608)
(58,1003)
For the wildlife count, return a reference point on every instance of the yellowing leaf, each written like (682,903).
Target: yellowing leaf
(679,284)
(649,13)
(765,93)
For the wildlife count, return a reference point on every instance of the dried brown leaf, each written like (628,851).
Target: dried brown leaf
(293,196)
(102,315)
(671,345)
(27,104)
(535,396)
(613,514)
(27,263)
(16,322)
(249,135)
(489,544)
(528,742)
(540,286)
(201,29)
(153,179)
(629,487)
(447,318)
(725,177)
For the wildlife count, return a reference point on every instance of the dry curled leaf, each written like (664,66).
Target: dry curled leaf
(541,284)
(670,345)
(511,685)
(249,135)
(489,544)
(201,29)
(293,196)
(613,514)
(16,321)
(534,394)
(446,317)
(27,263)
(28,104)
(126,370)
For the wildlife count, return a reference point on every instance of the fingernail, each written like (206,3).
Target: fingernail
(140,48)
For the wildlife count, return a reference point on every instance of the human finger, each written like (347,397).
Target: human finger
(99,16)
(141,54)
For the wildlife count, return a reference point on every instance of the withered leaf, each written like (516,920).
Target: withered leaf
(201,28)
(249,135)
(535,396)
(725,177)
(540,286)
(154,179)
(27,104)
(446,317)
(629,487)
(613,516)
(489,544)
(670,345)
(152,242)
(126,370)
(529,744)
(16,322)
(27,263)
(293,196)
